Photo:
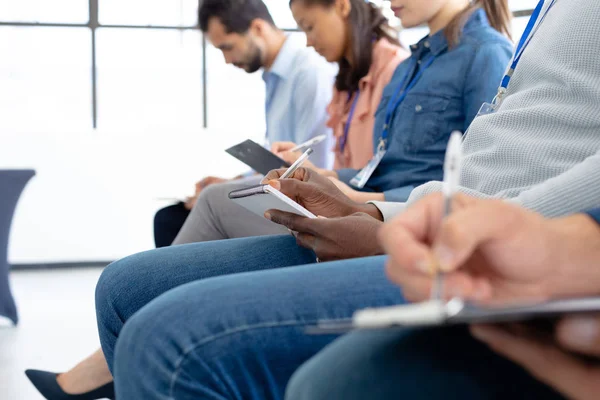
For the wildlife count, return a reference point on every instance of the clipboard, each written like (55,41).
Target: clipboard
(454,312)
(256,157)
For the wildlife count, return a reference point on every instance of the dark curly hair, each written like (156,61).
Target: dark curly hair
(367,24)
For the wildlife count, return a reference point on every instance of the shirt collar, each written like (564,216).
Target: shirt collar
(438,43)
(284,61)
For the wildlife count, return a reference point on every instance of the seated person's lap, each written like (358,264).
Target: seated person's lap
(444,363)
(248,329)
(216,217)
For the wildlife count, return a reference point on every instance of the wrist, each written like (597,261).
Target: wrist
(369,209)
(328,173)
(575,251)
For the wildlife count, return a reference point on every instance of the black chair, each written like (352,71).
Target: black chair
(12,183)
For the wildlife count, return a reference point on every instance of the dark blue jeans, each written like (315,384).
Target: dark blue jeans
(225,319)
(428,364)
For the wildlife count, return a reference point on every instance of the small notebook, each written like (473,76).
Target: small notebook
(261,198)
(455,311)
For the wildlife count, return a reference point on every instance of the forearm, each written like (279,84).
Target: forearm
(363,197)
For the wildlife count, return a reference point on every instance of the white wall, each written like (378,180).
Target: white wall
(94,195)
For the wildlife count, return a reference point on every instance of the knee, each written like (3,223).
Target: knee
(303,385)
(212,194)
(132,348)
(114,285)
(163,216)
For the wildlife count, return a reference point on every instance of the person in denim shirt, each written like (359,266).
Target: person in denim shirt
(447,97)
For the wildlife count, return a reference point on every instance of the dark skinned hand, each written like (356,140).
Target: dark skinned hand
(318,194)
(333,238)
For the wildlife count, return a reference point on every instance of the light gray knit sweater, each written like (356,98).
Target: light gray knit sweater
(541,149)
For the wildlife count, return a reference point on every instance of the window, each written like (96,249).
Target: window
(281,13)
(149,79)
(147,73)
(45,76)
(45,11)
(148,12)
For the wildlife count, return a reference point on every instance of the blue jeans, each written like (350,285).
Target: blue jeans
(225,319)
(428,364)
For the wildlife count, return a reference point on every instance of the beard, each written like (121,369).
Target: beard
(253,62)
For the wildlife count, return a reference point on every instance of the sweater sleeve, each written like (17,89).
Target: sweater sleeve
(574,190)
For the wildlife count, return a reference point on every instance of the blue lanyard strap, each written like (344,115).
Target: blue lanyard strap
(400,94)
(525,39)
(344,138)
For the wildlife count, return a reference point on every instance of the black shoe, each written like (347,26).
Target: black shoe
(46,383)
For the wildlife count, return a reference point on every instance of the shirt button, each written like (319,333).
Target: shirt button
(418,108)
(427,45)
(419,62)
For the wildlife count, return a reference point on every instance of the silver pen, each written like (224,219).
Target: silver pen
(296,164)
(309,143)
(452,170)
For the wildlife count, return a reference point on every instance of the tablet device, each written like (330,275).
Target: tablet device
(257,157)
(259,199)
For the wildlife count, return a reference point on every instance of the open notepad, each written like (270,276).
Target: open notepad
(455,311)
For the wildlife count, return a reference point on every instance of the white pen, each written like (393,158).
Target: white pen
(296,164)
(309,143)
(452,169)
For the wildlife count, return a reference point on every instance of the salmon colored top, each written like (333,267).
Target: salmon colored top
(358,149)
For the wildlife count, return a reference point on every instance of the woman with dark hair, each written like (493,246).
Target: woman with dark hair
(357,36)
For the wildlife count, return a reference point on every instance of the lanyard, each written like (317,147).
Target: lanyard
(399,96)
(523,43)
(344,138)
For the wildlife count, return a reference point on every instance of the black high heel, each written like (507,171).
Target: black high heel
(46,383)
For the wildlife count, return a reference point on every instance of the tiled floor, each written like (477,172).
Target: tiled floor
(57,328)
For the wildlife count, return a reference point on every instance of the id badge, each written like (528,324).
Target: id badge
(487,109)
(361,179)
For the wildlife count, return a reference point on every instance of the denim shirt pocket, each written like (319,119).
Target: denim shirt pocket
(425,123)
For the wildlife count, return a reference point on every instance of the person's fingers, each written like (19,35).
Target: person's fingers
(293,188)
(300,174)
(423,217)
(406,250)
(415,287)
(273,175)
(294,222)
(455,284)
(307,241)
(463,231)
(408,236)
(278,147)
(580,334)
(290,157)
(544,361)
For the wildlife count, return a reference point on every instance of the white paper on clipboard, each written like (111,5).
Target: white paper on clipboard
(260,199)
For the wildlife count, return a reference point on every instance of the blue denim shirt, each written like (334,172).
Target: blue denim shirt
(446,98)
(595,214)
